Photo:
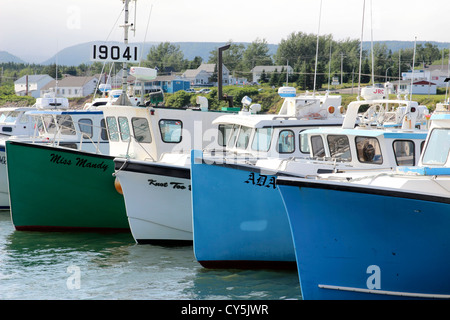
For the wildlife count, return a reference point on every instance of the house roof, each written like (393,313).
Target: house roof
(271,68)
(168,78)
(424,82)
(69,82)
(31,78)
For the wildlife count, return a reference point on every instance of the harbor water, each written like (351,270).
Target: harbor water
(93,266)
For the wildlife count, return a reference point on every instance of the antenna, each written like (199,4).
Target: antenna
(123,99)
(412,71)
(317,50)
(371,43)
(360,50)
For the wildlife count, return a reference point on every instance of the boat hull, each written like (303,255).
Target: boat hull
(4,193)
(239,219)
(361,242)
(158,201)
(56,189)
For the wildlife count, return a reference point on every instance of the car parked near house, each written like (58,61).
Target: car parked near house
(204,91)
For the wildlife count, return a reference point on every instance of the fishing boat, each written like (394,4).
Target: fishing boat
(81,183)
(48,121)
(150,187)
(377,235)
(250,227)
(62,138)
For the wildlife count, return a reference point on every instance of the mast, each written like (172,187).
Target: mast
(317,49)
(360,51)
(123,99)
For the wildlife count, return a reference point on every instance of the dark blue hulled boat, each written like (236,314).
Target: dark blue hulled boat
(375,236)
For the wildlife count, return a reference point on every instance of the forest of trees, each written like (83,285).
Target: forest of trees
(336,58)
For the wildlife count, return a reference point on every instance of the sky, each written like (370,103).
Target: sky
(40,28)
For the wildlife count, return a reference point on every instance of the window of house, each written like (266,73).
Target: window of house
(286,141)
(141,130)
(112,128)
(170,130)
(368,150)
(404,152)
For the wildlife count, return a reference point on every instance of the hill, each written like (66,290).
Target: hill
(8,57)
(80,53)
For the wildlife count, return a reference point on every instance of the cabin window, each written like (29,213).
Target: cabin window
(233,136)
(112,128)
(68,145)
(339,147)
(124,129)
(104,133)
(12,117)
(65,124)
(3,116)
(244,137)
(262,139)
(141,130)
(404,152)
(224,133)
(24,119)
(368,150)
(437,148)
(85,127)
(303,142)
(317,146)
(286,141)
(170,130)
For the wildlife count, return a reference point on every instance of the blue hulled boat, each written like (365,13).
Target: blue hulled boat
(375,235)
(247,226)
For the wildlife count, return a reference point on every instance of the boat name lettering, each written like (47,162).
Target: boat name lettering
(374,280)
(80,162)
(2,160)
(261,180)
(174,185)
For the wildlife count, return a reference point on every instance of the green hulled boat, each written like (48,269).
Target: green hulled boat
(76,194)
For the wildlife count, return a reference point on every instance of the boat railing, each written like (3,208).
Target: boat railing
(58,136)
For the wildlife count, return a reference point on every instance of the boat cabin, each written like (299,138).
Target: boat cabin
(154,133)
(278,135)
(14,122)
(435,159)
(76,129)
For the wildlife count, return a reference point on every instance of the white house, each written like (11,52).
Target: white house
(433,73)
(418,87)
(71,87)
(257,71)
(35,84)
(203,73)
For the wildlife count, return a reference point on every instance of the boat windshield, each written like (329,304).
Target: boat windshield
(11,117)
(62,124)
(438,147)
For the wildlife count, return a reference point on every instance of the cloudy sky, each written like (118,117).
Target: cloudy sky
(40,28)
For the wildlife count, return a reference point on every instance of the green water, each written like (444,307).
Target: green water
(92,266)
